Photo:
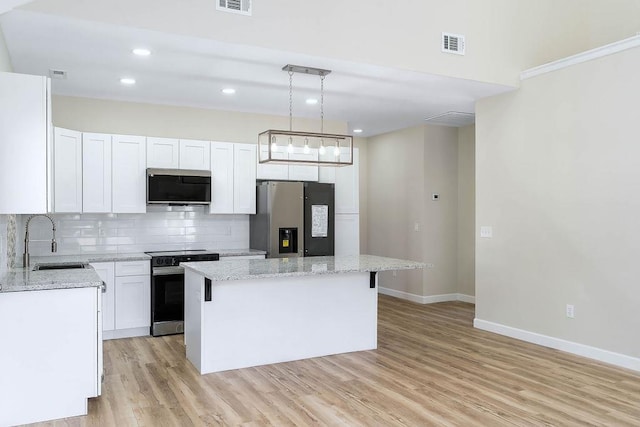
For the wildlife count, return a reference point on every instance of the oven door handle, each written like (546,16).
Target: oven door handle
(166,271)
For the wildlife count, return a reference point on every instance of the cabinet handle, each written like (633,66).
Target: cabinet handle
(207,289)
(104,287)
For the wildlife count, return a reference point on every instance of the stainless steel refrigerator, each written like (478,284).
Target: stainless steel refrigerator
(293,219)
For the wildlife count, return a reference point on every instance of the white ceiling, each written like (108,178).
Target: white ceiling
(191,71)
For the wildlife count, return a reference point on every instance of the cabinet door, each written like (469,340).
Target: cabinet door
(222,170)
(195,154)
(67,170)
(273,171)
(347,238)
(96,172)
(163,153)
(24,139)
(133,302)
(348,187)
(129,174)
(244,179)
(303,172)
(106,272)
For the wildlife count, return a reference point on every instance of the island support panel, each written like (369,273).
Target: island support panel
(271,320)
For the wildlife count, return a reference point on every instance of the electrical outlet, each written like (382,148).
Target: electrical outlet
(486,232)
(570,311)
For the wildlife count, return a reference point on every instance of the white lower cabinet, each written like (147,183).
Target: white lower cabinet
(126,307)
(106,271)
(347,237)
(133,302)
(51,359)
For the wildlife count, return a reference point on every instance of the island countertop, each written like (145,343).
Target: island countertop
(228,270)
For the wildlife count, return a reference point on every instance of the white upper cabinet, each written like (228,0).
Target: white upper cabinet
(24,137)
(289,172)
(169,153)
(129,174)
(303,172)
(348,187)
(163,153)
(233,178)
(67,171)
(195,154)
(273,171)
(96,173)
(222,168)
(244,179)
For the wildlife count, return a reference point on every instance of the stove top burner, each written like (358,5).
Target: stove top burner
(174,258)
(177,253)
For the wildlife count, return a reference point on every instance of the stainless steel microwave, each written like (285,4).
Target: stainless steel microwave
(178,187)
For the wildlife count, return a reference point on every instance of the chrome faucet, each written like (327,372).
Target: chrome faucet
(54,245)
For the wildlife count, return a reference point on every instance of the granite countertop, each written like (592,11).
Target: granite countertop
(244,269)
(22,279)
(88,258)
(238,252)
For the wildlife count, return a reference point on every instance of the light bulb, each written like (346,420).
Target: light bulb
(322,150)
(274,146)
(290,146)
(336,151)
(306,146)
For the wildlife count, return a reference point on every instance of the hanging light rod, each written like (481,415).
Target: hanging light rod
(306,70)
(299,147)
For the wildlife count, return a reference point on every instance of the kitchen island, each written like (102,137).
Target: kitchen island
(241,313)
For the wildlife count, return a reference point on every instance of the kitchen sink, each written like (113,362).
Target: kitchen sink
(61,266)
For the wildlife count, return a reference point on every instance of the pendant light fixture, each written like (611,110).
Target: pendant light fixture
(299,147)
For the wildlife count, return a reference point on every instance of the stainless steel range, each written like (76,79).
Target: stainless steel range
(167,288)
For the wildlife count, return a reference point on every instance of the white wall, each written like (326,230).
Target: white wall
(405,168)
(131,118)
(466,210)
(558,179)
(503,36)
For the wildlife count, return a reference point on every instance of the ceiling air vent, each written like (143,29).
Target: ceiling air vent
(242,7)
(58,74)
(453,43)
(454,119)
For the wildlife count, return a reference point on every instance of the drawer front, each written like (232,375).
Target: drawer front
(132,268)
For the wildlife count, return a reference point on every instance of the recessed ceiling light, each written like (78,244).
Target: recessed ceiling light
(127,81)
(311,101)
(357,131)
(228,91)
(141,52)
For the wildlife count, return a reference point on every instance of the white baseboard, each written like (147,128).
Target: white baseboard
(599,354)
(428,299)
(467,298)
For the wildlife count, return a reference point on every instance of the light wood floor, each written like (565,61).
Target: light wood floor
(431,368)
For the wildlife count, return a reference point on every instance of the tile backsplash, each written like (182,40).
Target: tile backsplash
(122,233)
